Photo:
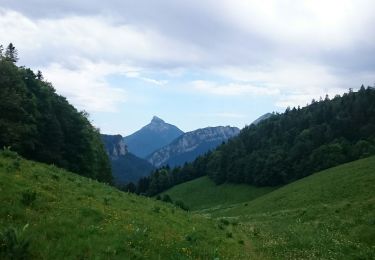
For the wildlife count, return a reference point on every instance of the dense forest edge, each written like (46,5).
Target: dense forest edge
(41,125)
(285,147)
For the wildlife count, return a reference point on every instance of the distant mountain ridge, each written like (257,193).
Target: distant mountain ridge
(190,145)
(151,137)
(126,167)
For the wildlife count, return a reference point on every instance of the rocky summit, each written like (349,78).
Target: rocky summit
(151,137)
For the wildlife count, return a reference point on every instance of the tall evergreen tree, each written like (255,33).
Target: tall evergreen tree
(11,53)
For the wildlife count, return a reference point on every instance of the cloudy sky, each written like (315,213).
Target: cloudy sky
(192,63)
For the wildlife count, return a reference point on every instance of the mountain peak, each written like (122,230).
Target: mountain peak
(157,120)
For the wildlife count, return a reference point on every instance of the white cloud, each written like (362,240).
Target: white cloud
(94,38)
(86,87)
(296,83)
(231,89)
(309,23)
(292,51)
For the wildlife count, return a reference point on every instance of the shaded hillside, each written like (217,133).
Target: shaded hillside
(151,137)
(42,125)
(189,146)
(126,167)
(129,168)
(54,214)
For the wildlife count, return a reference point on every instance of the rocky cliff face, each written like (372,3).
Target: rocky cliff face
(190,145)
(126,167)
(151,137)
(114,145)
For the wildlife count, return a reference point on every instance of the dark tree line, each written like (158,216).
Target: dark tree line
(41,125)
(285,147)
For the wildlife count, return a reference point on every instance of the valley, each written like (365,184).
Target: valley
(42,204)
(297,184)
(329,214)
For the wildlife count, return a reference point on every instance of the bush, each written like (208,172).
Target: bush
(167,198)
(181,205)
(55,177)
(16,163)
(13,244)
(6,152)
(106,200)
(224,221)
(28,197)
(156,209)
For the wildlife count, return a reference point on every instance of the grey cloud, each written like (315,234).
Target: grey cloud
(202,29)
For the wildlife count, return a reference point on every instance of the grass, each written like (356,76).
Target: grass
(71,217)
(49,213)
(328,215)
(203,193)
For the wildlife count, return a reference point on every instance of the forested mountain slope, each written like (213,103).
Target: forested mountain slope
(41,125)
(285,147)
(295,144)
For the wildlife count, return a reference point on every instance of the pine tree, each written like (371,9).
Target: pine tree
(11,53)
(1,51)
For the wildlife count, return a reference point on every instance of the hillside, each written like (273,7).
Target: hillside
(330,214)
(203,193)
(151,137)
(129,168)
(190,145)
(65,216)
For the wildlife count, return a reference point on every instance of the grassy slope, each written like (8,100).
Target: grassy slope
(329,215)
(76,218)
(202,193)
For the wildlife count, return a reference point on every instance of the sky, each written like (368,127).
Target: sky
(192,63)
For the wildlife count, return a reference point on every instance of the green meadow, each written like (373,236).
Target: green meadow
(49,213)
(328,215)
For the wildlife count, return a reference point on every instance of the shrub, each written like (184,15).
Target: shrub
(181,205)
(158,197)
(167,198)
(28,197)
(16,164)
(6,152)
(192,237)
(156,209)
(55,177)
(106,200)
(229,235)
(13,244)
(224,221)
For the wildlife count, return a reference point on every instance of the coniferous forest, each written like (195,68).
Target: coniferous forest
(285,147)
(41,125)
